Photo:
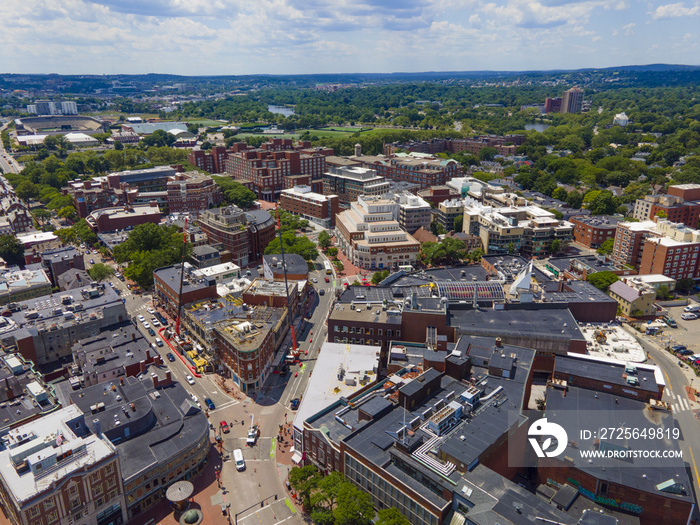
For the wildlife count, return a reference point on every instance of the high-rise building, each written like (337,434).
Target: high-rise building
(572,100)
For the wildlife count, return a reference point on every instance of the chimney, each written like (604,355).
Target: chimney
(168,377)
(133,336)
(121,381)
(148,355)
(248,316)
(499,343)
(98,429)
(142,367)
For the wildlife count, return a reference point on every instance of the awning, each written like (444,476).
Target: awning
(296,458)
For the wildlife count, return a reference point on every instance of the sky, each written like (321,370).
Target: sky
(239,37)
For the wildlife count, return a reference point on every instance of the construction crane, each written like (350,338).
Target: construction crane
(182,278)
(295,350)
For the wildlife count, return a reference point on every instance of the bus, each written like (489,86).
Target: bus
(327,266)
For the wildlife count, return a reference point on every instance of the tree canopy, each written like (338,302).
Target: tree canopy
(11,250)
(149,247)
(100,271)
(234,192)
(602,280)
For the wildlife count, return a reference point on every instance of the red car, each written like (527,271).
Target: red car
(328,280)
(224,427)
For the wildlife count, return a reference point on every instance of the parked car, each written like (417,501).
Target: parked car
(170,356)
(224,427)
(210,404)
(151,332)
(151,311)
(688,316)
(92,261)
(190,379)
(692,308)
(321,292)
(146,325)
(314,280)
(159,341)
(670,321)
(295,403)
(155,322)
(678,348)
(141,318)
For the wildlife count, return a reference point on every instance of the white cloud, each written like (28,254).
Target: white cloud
(674,11)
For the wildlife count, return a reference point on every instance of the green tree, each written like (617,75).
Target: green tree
(663,293)
(574,199)
(68,212)
(458,221)
(324,239)
(332,251)
(487,153)
(27,190)
(391,516)
(100,271)
(607,247)
(354,506)
(446,251)
(292,244)
(602,280)
(560,194)
(304,480)
(556,246)
(149,247)
(379,276)
(685,285)
(11,250)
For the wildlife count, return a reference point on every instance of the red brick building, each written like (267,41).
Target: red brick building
(670,258)
(267,170)
(113,219)
(424,171)
(167,289)
(192,192)
(437,194)
(687,192)
(315,207)
(593,231)
(245,350)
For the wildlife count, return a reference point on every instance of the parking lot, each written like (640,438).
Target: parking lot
(687,333)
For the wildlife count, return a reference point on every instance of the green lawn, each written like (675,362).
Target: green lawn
(206,122)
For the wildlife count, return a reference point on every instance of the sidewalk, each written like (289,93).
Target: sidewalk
(205,498)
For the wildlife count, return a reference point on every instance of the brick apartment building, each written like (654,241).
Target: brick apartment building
(687,192)
(418,169)
(266,171)
(315,207)
(436,194)
(593,231)
(244,234)
(674,207)
(505,145)
(192,192)
(660,247)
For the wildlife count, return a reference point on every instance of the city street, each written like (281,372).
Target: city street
(686,411)
(267,462)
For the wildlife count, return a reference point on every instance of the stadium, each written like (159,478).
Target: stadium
(60,125)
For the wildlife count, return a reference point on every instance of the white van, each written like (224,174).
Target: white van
(692,308)
(238,458)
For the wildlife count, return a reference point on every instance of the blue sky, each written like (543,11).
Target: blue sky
(232,37)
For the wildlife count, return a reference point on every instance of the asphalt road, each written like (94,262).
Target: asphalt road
(250,493)
(685,411)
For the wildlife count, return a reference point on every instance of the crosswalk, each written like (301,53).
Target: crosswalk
(680,403)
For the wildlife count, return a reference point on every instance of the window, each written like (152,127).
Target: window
(49,504)
(73,490)
(34,511)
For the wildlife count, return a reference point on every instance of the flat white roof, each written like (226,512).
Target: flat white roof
(47,431)
(218,268)
(324,388)
(31,238)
